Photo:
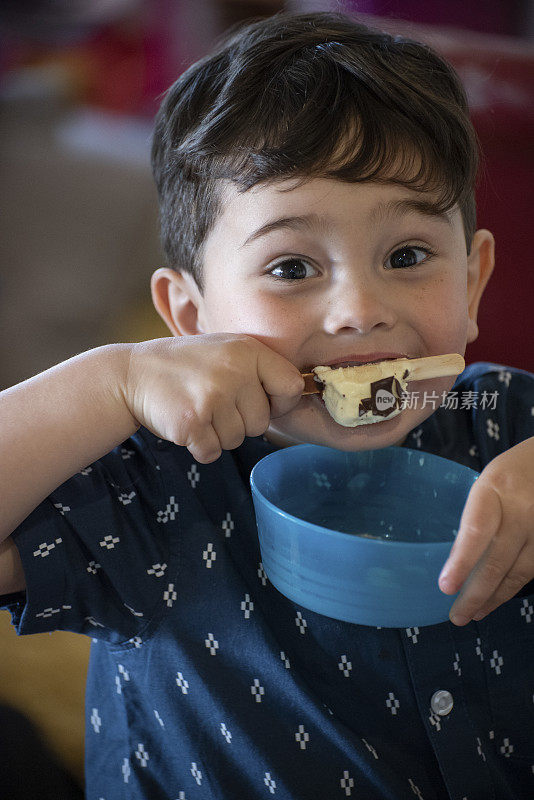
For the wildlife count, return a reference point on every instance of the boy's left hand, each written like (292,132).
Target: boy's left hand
(492,557)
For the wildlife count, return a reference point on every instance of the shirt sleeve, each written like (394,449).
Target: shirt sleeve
(96,552)
(504,412)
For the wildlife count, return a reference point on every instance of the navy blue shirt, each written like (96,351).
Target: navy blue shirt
(205,682)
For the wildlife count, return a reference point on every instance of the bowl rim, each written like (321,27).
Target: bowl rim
(342,535)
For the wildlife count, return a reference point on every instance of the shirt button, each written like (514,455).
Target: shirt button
(441,702)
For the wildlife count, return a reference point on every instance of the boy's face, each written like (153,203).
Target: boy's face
(372,277)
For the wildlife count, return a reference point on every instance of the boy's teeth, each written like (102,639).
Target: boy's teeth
(359,363)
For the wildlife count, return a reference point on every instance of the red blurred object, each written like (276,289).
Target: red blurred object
(498,75)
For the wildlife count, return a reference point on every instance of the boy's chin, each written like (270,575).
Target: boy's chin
(310,423)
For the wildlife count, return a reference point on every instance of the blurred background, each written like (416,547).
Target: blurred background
(79,87)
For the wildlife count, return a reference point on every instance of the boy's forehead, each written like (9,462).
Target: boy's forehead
(322,200)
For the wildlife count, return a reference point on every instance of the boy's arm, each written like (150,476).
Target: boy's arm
(52,426)
(204,392)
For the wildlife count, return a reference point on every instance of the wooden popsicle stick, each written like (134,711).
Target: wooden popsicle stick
(418,369)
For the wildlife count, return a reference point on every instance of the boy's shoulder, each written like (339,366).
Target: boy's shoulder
(491,372)
(489,409)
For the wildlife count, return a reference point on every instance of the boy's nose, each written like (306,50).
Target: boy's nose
(358,307)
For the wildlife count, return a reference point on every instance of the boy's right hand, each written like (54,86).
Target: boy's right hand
(207,392)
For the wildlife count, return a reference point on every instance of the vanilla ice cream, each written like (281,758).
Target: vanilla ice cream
(364,394)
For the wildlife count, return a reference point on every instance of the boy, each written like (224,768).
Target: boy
(316,188)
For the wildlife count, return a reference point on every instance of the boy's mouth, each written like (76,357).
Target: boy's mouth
(356,361)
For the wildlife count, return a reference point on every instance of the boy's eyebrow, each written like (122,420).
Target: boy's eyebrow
(315,222)
(408,205)
(307,222)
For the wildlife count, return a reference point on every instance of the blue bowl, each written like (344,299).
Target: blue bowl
(362,536)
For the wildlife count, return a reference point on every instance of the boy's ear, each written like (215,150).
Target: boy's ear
(178,301)
(480,263)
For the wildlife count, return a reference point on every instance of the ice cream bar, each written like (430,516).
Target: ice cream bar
(369,393)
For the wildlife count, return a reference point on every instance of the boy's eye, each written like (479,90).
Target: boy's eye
(292,269)
(408,257)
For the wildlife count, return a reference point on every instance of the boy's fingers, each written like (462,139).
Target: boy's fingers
(229,426)
(281,380)
(481,519)
(518,576)
(204,445)
(498,561)
(253,405)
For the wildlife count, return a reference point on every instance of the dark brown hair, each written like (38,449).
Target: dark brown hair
(308,95)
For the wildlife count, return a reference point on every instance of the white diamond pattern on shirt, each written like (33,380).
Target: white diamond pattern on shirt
(345,666)
(133,611)
(125,675)
(347,783)
(142,755)
(227,525)
(49,612)
(44,549)
(505,377)
(478,649)
(257,690)
(300,622)
(506,749)
(126,770)
(302,737)
(157,569)
(417,435)
(412,633)
(435,720)
(92,621)
(456,664)
(196,773)
(209,555)
(247,606)
(126,499)
(479,749)
(285,659)
(126,454)
(61,508)
(193,475)
(109,541)
(169,595)
(492,429)
(270,782)
(262,575)
(527,611)
(226,733)
(169,513)
(182,683)
(415,789)
(156,714)
(392,703)
(371,749)
(496,662)
(93,567)
(212,644)
(96,721)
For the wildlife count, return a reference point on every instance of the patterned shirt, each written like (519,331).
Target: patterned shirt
(206,683)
